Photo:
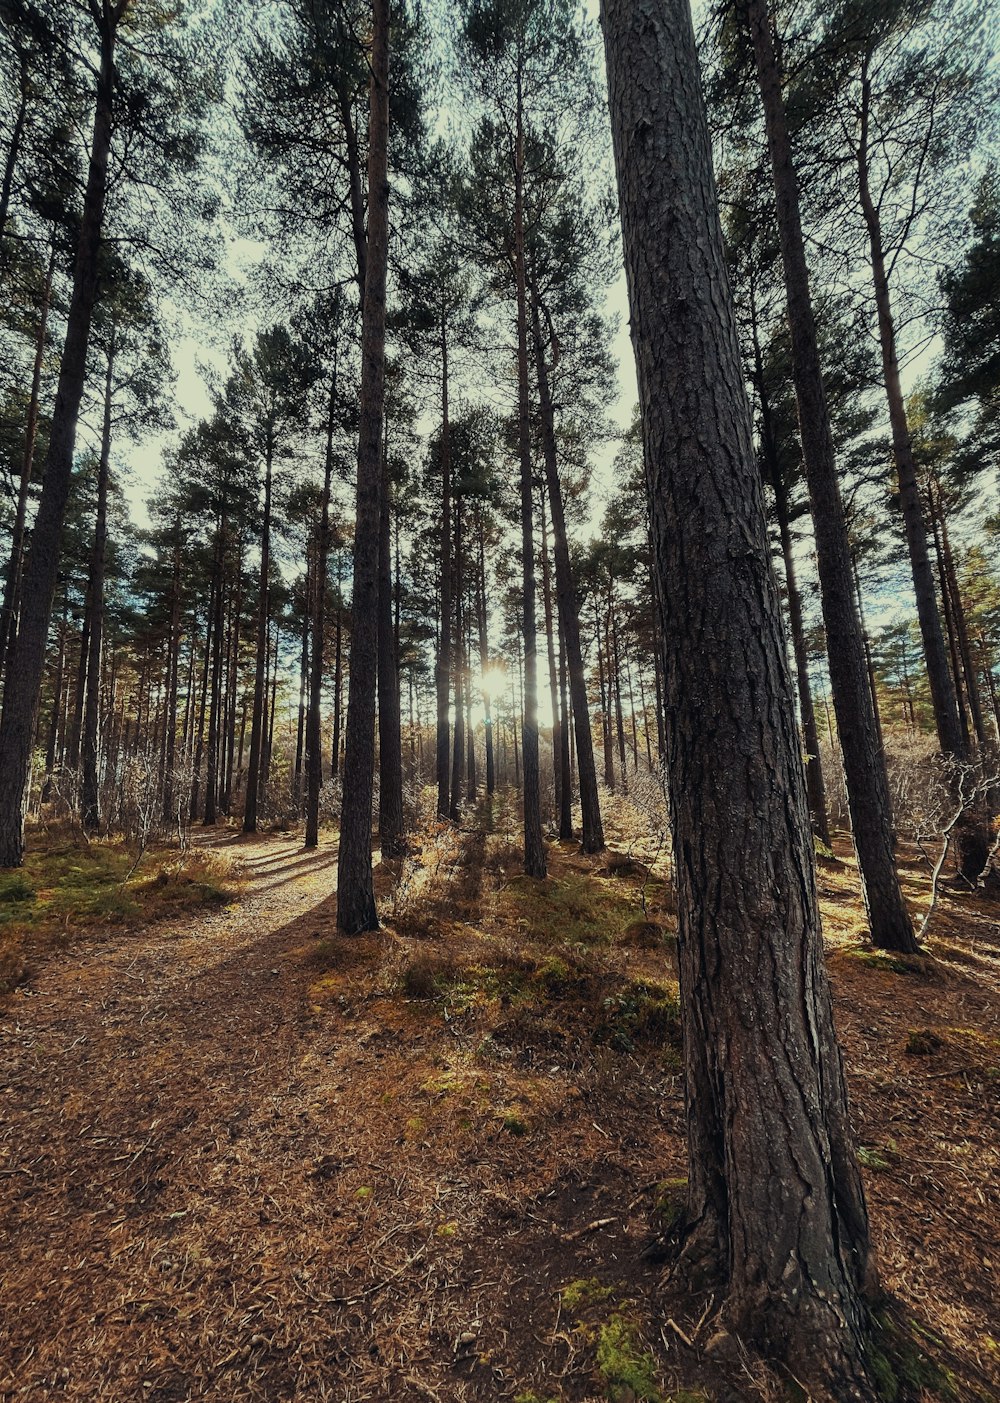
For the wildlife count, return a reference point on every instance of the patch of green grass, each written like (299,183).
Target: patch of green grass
(585,1291)
(627,1368)
(891,964)
(15,888)
(874,1159)
(576,908)
(66,888)
(530,1396)
(644,1014)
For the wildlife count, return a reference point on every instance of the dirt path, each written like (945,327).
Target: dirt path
(245,1160)
(131,1074)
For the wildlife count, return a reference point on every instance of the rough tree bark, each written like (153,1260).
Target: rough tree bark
(390,750)
(355,890)
(943,696)
(534,850)
(775,1205)
(314,739)
(257,738)
(89,749)
(590,804)
(27,657)
(443,672)
(864,760)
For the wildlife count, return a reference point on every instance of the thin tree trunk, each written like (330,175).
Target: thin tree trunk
(609,750)
(355,891)
(254,764)
(390,750)
(942,689)
(590,804)
(560,779)
(458,758)
(766,1099)
(15,565)
(815,787)
(864,761)
(534,850)
(314,736)
(484,663)
(443,670)
(89,797)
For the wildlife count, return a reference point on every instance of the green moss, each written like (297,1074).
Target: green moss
(530,1396)
(892,964)
(627,1368)
(514,1125)
(670,1201)
(584,1292)
(873,1159)
(901,1366)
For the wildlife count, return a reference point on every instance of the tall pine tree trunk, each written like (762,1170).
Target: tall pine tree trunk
(15,565)
(355,890)
(534,850)
(864,761)
(390,747)
(442,676)
(89,798)
(27,658)
(775,1207)
(257,721)
(942,688)
(590,804)
(314,739)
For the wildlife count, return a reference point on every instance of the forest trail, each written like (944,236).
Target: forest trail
(246,1159)
(125,1067)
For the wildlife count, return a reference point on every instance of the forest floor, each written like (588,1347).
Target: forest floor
(243,1158)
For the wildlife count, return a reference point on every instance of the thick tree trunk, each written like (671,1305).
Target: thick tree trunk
(355,891)
(27,659)
(590,804)
(254,763)
(775,1204)
(864,761)
(89,796)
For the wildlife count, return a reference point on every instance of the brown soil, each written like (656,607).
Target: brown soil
(246,1159)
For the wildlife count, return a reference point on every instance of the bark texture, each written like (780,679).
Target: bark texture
(775,1201)
(355,890)
(864,760)
(27,656)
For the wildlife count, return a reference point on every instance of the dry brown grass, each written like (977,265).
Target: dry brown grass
(251,1159)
